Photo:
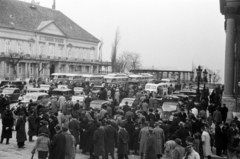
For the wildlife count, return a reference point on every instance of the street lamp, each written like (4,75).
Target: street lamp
(214,77)
(199,72)
(210,77)
(204,81)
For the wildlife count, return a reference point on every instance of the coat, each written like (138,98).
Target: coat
(83,134)
(57,146)
(219,135)
(129,126)
(217,117)
(7,122)
(61,102)
(54,105)
(99,142)
(74,128)
(20,128)
(70,150)
(123,139)
(111,135)
(32,127)
(182,134)
(151,147)
(178,152)
(90,134)
(160,137)
(143,139)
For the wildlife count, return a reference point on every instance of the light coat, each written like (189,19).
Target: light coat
(159,133)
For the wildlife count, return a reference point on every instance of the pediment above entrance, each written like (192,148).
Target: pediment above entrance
(50,27)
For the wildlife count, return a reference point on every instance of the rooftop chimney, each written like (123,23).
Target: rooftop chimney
(54,5)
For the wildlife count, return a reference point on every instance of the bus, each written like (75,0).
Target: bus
(75,78)
(93,79)
(150,87)
(60,77)
(116,80)
(169,81)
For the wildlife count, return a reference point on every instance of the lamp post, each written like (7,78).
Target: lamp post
(210,78)
(199,72)
(214,77)
(204,82)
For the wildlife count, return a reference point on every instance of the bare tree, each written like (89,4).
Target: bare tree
(128,60)
(115,49)
(39,64)
(100,55)
(13,58)
(135,61)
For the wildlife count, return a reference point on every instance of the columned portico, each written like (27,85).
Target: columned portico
(229,56)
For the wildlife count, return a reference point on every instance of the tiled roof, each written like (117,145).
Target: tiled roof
(20,15)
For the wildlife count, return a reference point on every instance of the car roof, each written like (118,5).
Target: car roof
(37,93)
(128,98)
(11,88)
(62,90)
(99,101)
(35,89)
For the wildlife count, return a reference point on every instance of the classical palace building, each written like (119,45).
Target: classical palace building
(41,41)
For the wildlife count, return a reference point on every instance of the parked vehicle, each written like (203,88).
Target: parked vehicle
(7,86)
(96,89)
(129,100)
(67,93)
(168,109)
(169,81)
(98,104)
(78,91)
(19,84)
(37,98)
(13,93)
(4,82)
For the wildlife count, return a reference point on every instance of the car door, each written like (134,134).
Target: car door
(15,95)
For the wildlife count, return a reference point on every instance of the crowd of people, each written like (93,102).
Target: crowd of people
(63,126)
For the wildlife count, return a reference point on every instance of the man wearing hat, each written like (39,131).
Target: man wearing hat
(143,139)
(57,146)
(151,145)
(70,149)
(160,138)
(123,139)
(179,151)
(20,128)
(42,148)
(182,133)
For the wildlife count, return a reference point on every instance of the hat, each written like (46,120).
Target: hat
(44,122)
(44,134)
(58,127)
(178,141)
(158,123)
(64,129)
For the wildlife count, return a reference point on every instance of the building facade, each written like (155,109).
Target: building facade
(36,41)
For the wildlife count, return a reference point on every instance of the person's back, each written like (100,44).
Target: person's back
(70,145)
(145,106)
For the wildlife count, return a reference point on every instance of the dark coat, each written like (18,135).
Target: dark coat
(32,127)
(129,126)
(151,147)
(90,134)
(111,135)
(2,105)
(57,147)
(20,128)
(52,130)
(83,134)
(219,135)
(123,139)
(99,142)
(7,122)
(74,127)
(182,134)
(135,139)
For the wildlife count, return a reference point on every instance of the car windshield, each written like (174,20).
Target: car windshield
(130,102)
(28,97)
(96,105)
(7,91)
(163,81)
(57,93)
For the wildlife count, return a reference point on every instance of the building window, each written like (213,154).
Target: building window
(8,68)
(30,48)
(61,49)
(84,53)
(19,47)
(31,68)
(87,69)
(69,52)
(51,49)
(20,68)
(92,55)
(7,45)
(41,48)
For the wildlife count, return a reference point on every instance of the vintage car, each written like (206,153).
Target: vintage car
(4,82)
(98,104)
(67,93)
(129,100)
(78,90)
(37,98)
(81,98)
(13,93)
(32,90)
(168,109)
(19,84)
(168,98)
(7,86)
(96,89)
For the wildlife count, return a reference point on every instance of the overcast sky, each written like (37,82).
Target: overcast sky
(167,33)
